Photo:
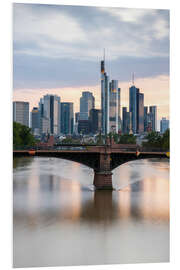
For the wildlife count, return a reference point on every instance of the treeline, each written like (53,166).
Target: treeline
(22,136)
(154,139)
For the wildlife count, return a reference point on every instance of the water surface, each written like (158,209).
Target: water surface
(59,219)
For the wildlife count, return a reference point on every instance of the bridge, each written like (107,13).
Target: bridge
(102,159)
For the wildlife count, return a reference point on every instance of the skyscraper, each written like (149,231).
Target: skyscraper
(86,104)
(133,105)
(104,99)
(124,120)
(164,124)
(35,120)
(153,117)
(21,112)
(95,120)
(145,118)
(114,106)
(67,118)
(140,127)
(51,110)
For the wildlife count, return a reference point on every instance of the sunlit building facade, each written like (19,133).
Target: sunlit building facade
(21,112)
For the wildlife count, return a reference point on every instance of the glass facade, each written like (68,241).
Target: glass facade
(67,118)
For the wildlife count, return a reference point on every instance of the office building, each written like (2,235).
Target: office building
(84,127)
(164,124)
(51,110)
(145,118)
(140,114)
(153,117)
(44,125)
(95,120)
(86,104)
(124,120)
(114,106)
(35,121)
(67,118)
(133,107)
(21,112)
(104,99)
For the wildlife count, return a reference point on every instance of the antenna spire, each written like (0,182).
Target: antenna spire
(133,78)
(104,54)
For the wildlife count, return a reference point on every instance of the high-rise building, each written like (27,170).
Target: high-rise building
(133,105)
(164,124)
(35,121)
(124,120)
(114,106)
(145,118)
(136,107)
(84,127)
(21,112)
(86,104)
(44,125)
(153,117)
(51,110)
(67,118)
(140,109)
(95,120)
(104,99)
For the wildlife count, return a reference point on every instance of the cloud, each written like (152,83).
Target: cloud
(81,32)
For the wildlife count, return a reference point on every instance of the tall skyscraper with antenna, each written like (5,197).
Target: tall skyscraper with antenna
(104,98)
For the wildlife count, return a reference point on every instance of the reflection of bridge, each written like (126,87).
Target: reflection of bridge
(103,159)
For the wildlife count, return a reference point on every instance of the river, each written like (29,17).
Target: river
(59,219)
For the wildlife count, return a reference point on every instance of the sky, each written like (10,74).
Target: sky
(57,49)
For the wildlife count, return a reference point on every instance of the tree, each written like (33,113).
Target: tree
(154,139)
(22,136)
(127,139)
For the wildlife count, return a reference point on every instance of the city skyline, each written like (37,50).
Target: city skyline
(67,71)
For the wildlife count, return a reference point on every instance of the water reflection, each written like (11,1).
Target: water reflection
(51,203)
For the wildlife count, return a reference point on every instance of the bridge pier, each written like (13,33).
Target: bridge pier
(103,180)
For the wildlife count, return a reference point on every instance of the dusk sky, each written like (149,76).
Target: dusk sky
(58,49)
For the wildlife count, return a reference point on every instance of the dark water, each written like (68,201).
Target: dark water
(60,220)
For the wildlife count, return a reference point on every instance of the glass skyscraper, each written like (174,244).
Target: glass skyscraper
(49,108)
(86,104)
(67,118)
(104,99)
(153,117)
(133,105)
(35,120)
(114,106)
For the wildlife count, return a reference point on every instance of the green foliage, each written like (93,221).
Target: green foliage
(127,139)
(70,140)
(154,139)
(22,136)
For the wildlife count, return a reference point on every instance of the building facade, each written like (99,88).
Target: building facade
(104,99)
(51,110)
(67,118)
(133,105)
(21,112)
(153,117)
(140,115)
(114,106)
(164,124)
(87,102)
(95,120)
(35,121)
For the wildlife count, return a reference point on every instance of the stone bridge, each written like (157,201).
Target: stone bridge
(102,159)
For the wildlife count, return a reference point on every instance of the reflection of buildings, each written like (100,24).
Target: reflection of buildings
(101,209)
